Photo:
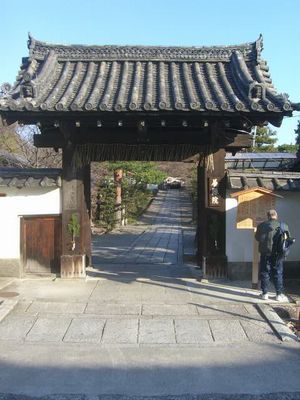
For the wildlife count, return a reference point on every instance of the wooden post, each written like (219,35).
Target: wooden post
(211,215)
(76,205)
(201,212)
(118,175)
(255,262)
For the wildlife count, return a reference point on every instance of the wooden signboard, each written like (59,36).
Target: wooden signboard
(252,208)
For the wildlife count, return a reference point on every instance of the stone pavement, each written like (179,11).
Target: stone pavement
(141,324)
(138,312)
(156,239)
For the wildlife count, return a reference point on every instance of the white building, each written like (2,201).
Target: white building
(239,242)
(30,207)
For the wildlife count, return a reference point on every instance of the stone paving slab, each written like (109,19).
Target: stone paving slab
(169,309)
(16,327)
(49,329)
(227,331)
(22,306)
(157,330)
(56,307)
(222,310)
(85,330)
(190,331)
(121,331)
(113,309)
(259,331)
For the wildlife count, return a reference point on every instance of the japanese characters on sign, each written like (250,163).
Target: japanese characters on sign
(252,209)
(213,193)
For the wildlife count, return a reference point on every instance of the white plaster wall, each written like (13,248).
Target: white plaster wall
(19,202)
(239,241)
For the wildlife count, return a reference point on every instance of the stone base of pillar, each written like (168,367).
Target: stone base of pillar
(73,266)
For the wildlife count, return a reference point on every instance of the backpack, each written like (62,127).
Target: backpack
(281,243)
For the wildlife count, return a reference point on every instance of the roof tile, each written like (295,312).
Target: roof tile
(139,78)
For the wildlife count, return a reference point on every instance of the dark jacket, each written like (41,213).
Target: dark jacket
(264,235)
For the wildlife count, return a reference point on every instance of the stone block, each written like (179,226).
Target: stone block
(227,331)
(169,309)
(85,330)
(233,311)
(16,327)
(121,331)
(259,331)
(157,331)
(192,331)
(56,307)
(49,329)
(113,309)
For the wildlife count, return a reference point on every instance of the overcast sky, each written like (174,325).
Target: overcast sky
(160,22)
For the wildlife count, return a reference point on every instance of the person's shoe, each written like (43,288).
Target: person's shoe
(264,296)
(282,298)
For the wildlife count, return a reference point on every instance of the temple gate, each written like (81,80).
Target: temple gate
(102,103)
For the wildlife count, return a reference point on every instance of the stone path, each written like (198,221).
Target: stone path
(157,239)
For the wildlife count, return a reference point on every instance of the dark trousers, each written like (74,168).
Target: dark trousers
(270,269)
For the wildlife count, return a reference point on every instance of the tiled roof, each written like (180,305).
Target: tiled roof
(278,181)
(30,177)
(137,78)
(259,161)
(260,156)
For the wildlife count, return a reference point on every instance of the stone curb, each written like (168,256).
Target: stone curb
(206,396)
(6,306)
(277,324)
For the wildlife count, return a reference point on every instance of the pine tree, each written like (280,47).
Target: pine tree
(265,139)
(297,132)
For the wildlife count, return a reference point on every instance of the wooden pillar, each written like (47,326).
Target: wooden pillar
(118,175)
(212,214)
(76,255)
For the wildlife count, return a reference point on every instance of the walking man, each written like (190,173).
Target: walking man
(270,267)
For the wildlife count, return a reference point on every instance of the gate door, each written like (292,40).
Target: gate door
(41,243)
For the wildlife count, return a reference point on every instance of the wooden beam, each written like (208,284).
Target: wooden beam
(158,136)
(240,140)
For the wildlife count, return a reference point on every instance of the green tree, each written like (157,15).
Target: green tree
(288,148)
(265,139)
(139,172)
(135,196)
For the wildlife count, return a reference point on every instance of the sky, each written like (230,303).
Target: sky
(160,22)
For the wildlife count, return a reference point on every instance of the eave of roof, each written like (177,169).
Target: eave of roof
(275,181)
(96,79)
(257,156)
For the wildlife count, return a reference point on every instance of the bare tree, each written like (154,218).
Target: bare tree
(18,141)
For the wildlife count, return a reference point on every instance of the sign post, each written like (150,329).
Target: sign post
(252,208)
(255,261)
